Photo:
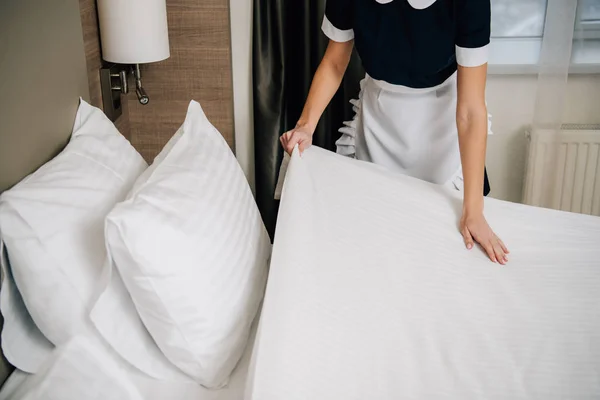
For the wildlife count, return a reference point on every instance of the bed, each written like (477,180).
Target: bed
(143,386)
(372,295)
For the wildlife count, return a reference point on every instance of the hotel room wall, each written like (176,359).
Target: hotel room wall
(511,100)
(199,68)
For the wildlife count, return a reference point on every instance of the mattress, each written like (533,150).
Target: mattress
(129,378)
(373,295)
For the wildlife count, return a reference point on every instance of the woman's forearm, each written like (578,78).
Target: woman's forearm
(472,124)
(472,138)
(326,82)
(471,121)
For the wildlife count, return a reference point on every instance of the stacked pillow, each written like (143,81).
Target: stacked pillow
(172,277)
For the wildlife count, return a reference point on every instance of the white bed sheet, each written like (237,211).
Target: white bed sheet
(148,388)
(372,295)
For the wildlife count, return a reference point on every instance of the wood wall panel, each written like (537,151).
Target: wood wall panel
(211,34)
(195,5)
(91,41)
(199,68)
(93,55)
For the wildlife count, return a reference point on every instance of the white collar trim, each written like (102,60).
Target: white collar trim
(417,4)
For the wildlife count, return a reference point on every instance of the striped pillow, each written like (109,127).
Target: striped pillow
(193,252)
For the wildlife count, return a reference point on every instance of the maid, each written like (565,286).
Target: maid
(421,110)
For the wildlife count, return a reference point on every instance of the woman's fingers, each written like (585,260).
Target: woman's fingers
(504,248)
(283,139)
(501,250)
(301,146)
(500,256)
(292,142)
(476,229)
(494,250)
(295,138)
(468,238)
(304,144)
(287,141)
(287,135)
(489,249)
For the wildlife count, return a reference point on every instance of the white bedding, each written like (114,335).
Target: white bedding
(88,376)
(372,295)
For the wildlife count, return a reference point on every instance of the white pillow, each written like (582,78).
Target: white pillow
(116,319)
(52,223)
(79,369)
(23,345)
(193,252)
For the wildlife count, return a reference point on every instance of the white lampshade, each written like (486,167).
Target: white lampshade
(133,31)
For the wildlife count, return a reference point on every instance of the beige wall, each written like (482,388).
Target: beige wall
(511,101)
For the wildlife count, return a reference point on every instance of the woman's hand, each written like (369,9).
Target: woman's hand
(474,227)
(301,135)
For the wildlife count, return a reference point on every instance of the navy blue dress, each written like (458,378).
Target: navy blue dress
(409,46)
(416,44)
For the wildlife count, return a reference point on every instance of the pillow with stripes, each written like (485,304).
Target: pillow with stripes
(193,252)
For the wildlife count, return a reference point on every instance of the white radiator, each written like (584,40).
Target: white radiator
(563,171)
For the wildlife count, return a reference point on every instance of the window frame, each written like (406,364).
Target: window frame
(520,55)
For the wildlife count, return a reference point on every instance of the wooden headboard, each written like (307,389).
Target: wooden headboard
(43,74)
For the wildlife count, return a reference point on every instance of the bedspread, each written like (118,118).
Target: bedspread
(373,295)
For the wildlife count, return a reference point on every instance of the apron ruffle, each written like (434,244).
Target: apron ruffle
(346,144)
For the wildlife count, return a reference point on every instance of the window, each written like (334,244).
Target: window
(518,18)
(586,39)
(518,27)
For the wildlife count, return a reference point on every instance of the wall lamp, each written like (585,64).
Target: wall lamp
(132,32)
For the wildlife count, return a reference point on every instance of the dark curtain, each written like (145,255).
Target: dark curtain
(288,46)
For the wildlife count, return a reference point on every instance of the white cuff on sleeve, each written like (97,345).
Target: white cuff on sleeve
(335,34)
(472,57)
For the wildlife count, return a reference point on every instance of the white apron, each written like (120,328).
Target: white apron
(411,131)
